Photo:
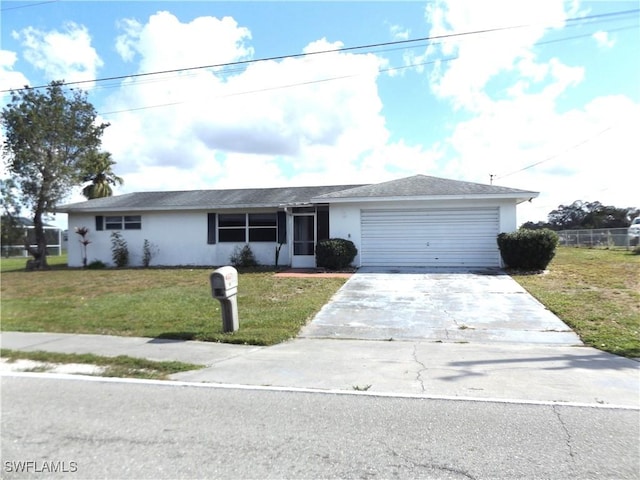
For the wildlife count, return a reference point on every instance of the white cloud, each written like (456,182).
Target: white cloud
(399,33)
(61,55)
(582,154)
(519,133)
(481,57)
(10,79)
(165,43)
(603,39)
(315,119)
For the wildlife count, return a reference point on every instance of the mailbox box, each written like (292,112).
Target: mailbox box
(224,287)
(224,283)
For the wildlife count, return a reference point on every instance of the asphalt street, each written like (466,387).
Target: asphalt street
(114,428)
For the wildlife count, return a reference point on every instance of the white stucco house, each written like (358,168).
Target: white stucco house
(414,221)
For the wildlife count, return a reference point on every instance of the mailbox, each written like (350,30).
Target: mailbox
(224,287)
(224,283)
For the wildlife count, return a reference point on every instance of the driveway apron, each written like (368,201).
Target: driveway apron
(441,305)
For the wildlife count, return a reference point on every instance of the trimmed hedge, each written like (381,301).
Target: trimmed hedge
(335,253)
(528,249)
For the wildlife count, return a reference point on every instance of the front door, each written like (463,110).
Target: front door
(304,240)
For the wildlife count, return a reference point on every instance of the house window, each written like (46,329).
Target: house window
(263,227)
(243,227)
(126,222)
(232,227)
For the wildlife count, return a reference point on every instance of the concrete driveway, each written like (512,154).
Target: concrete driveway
(442,305)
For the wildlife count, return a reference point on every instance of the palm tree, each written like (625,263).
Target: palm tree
(98,171)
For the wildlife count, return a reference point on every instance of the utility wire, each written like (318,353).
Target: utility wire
(572,147)
(27,6)
(277,57)
(322,52)
(279,87)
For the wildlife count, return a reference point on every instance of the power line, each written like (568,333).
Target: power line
(322,52)
(572,147)
(27,6)
(280,87)
(266,59)
(342,77)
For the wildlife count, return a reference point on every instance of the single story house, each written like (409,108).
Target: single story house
(413,221)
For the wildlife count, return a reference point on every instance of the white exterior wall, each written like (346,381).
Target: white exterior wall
(344,218)
(180,238)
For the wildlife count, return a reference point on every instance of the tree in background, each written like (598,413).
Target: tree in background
(586,215)
(11,229)
(98,171)
(50,136)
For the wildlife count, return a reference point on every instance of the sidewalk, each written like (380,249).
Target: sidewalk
(537,373)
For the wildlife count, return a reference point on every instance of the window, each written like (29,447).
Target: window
(232,227)
(243,227)
(263,227)
(127,222)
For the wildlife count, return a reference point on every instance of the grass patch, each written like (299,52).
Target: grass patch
(164,303)
(121,366)
(597,293)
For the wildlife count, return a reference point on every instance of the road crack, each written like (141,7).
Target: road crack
(428,465)
(419,377)
(567,434)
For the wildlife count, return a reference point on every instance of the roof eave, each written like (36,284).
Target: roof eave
(518,196)
(168,208)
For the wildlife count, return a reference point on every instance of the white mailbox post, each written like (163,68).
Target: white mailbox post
(224,287)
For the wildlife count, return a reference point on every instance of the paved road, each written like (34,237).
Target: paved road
(115,429)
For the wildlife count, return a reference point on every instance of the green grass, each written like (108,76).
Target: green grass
(121,366)
(167,303)
(597,293)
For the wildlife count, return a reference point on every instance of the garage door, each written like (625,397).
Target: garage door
(433,237)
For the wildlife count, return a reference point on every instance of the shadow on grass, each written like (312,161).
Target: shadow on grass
(173,337)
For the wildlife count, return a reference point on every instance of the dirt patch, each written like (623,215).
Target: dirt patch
(311,273)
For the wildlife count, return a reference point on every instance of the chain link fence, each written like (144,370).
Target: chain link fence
(597,237)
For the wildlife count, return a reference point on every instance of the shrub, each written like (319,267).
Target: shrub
(528,249)
(636,250)
(335,253)
(119,250)
(84,241)
(149,250)
(96,265)
(243,257)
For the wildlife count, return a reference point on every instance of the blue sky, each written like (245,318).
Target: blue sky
(551,106)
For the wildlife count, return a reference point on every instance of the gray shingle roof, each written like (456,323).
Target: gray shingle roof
(203,199)
(424,186)
(416,186)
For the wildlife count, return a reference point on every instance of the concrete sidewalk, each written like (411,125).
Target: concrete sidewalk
(431,369)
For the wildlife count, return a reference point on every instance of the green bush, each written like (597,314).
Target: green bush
(528,249)
(243,257)
(96,265)
(119,250)
(335,253)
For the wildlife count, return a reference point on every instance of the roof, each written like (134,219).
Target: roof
(27,222)
(418,186)
(203,199)
(425,186)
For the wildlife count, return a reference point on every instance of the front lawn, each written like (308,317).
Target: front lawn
(170,303)
(597,293)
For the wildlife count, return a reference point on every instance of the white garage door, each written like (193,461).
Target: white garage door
(434,237)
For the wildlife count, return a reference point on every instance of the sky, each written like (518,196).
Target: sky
(542,96)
